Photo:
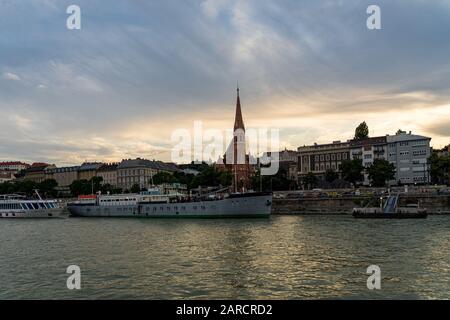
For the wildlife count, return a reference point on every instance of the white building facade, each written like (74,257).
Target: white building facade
(409,153)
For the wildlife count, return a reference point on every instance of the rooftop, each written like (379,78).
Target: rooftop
(403,136)
(144,163)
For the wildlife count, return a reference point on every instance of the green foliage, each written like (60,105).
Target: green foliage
(94,185)
(362,131)
(163,177)
(135,188)
(47,188)
(210,177)
(352,170)
(439,168)
(310,181)
(380,172)
(80,187)
(331,176)
(277,182)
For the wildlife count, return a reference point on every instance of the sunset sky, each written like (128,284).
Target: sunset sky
(139,69)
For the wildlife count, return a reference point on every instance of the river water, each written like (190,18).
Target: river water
(284,257)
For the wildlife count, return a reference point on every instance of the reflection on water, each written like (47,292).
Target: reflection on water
(285,257)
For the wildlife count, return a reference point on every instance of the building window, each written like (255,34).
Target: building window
(404,153)
(344,156)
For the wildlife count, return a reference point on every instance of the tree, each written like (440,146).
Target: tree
(331,176)
(80,187)
(277,182)
(352,170)
(163,177)
(83,187)
(135,188)
(225,178)
(48,187)
(439,168)
(362,131)
(381,171)
(207,178)
(310,180)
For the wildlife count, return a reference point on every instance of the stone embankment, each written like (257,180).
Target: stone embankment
(435,204)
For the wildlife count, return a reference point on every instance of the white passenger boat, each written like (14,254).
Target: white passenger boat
(18,206)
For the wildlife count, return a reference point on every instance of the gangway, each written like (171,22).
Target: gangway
(391,204)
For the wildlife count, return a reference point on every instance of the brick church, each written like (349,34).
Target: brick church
(236,160)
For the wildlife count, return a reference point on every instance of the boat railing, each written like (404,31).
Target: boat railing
(12,197)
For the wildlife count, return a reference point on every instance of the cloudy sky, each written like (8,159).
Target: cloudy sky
(139,69)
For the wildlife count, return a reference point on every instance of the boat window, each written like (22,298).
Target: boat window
(23,206)
(35,205)
(41,205)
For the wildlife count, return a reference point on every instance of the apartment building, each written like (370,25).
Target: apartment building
(140,172)
(409,153)
(319,158)
(108,172)
(368,150)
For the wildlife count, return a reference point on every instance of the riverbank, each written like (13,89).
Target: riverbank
(435,204)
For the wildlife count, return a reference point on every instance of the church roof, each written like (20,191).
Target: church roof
(238,121)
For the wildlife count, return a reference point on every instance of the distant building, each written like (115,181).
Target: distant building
(37,172)
(6,175)
(140,172)
(319,158)
(88,170)
(368,150)
(14,166)
(287,161)
(409,153)
(109,173)
(444,152)
(64,176)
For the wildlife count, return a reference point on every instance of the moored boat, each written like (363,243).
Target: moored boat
(18,206)
(243,205)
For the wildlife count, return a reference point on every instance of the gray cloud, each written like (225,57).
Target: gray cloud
(137,62)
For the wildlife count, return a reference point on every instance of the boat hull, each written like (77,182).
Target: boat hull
(240,207)
(33,214)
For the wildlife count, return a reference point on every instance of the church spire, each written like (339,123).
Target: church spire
(238,121)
